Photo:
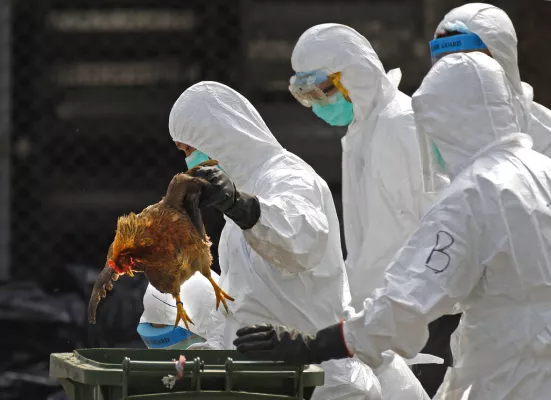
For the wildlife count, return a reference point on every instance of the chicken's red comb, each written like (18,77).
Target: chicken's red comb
(114,266)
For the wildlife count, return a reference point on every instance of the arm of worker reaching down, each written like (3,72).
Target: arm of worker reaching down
(437,268)
(293,230)
(402,182)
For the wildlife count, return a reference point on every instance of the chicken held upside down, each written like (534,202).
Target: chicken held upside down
(166,241)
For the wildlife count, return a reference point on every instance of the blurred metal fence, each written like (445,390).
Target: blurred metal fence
(93,81)
(4,140)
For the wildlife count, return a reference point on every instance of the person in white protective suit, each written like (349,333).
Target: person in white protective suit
(497,33)
(280,253)
(339,75)
(484,248)
(486,28)
(156,326)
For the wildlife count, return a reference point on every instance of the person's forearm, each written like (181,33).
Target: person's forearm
(245,211)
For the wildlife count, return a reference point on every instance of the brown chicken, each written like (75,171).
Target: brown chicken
(166,241)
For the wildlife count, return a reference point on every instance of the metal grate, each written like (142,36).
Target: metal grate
(93,82)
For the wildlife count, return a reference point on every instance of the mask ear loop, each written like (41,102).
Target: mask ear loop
(336,79)
(162,301)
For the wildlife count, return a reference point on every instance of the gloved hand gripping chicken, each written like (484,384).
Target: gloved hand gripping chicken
(166,241)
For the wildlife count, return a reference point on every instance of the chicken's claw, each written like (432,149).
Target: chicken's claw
(221,296)
(181,314)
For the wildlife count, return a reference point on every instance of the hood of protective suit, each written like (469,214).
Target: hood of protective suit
(339,48)
(465,105)
(223,124)
(496,30)
(197,296)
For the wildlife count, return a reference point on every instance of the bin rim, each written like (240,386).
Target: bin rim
(79,368)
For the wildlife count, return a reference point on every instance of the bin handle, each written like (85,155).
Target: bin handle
(125,373)
(198,368)
(298,378)
(299,386)
(229,371)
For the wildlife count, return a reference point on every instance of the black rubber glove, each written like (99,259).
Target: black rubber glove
(241,207)
(279,343)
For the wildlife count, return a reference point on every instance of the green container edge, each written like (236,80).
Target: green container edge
(77,367)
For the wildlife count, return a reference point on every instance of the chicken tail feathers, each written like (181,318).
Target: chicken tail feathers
(103,283)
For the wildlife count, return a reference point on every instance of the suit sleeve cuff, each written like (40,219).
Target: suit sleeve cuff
(347,339)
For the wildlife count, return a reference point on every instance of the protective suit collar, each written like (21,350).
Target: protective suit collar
(465,105)
(509,142)
(339,48)
(223,124)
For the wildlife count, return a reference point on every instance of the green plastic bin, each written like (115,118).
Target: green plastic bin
(136,374)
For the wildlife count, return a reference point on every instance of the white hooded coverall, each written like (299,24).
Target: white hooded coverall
(496,30)
(382,179)
(288,268)
(484,246)
(197,296)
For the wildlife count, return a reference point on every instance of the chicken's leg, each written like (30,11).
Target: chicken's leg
(181,313)
(220,294)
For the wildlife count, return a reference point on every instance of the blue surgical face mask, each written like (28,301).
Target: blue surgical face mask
(167,337)
(338,113)
(198,157)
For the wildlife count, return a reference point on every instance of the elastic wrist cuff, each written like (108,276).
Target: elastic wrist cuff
(348,352)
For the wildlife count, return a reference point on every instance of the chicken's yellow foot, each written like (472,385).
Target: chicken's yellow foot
(181,314)
(221,296)
(130,272)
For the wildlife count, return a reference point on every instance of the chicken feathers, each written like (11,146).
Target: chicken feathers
(166,241)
